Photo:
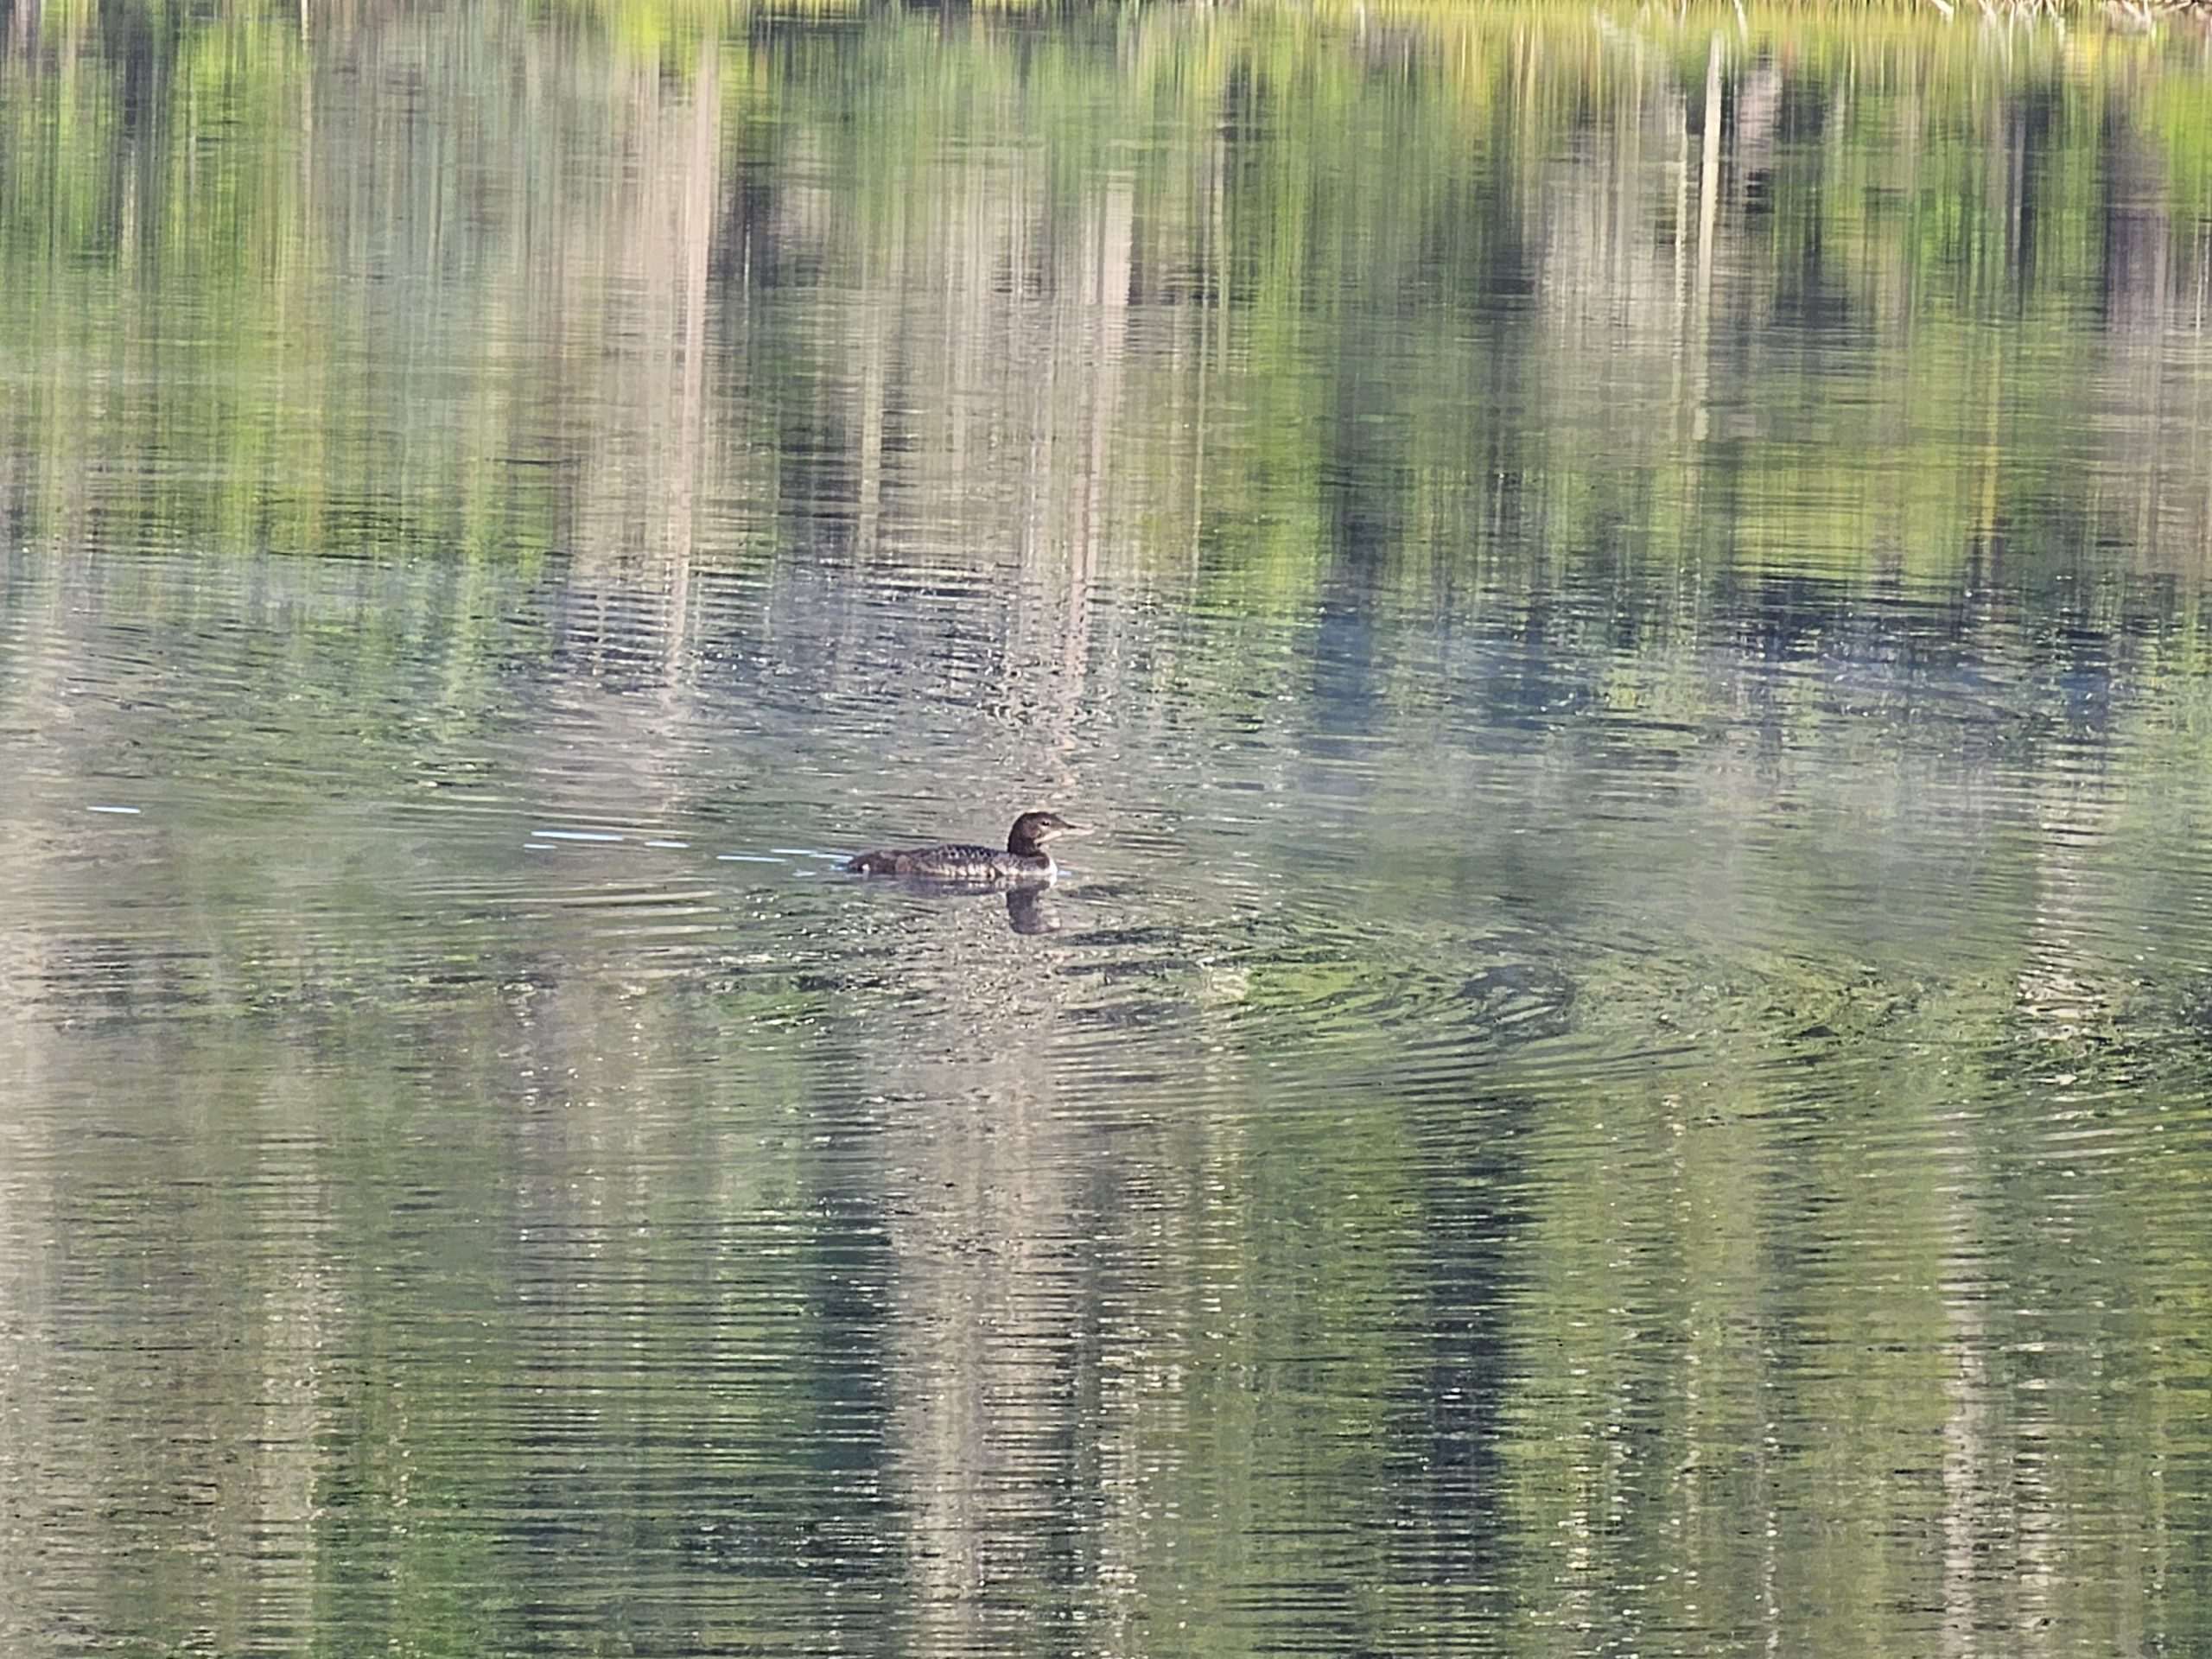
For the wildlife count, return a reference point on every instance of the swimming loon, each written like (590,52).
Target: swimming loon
(1024,863)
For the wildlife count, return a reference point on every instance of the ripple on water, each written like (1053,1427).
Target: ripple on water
(1628,1074)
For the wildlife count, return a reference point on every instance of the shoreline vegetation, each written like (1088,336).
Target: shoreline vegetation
(26,23)
(1949,201)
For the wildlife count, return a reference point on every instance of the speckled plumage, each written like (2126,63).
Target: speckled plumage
(1024,863)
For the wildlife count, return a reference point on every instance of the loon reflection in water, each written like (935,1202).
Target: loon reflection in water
(1024,863)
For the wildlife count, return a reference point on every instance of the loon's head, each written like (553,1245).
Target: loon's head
(1032,829)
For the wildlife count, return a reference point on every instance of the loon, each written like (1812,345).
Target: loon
(1024,863)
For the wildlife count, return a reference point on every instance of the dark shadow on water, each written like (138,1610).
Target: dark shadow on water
(1028,909)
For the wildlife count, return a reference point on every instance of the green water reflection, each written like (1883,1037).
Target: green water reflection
(1629,1073)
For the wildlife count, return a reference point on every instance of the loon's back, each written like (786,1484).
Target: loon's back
(1023,863)
(954,861)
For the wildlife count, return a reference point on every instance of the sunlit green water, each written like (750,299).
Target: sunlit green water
(1627,1073)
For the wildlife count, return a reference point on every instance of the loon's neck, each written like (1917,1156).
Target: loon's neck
(1039,860)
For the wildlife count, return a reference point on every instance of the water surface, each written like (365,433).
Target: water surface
(1626,1073)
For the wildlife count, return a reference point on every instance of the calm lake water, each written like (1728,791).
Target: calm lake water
(1629,1072)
